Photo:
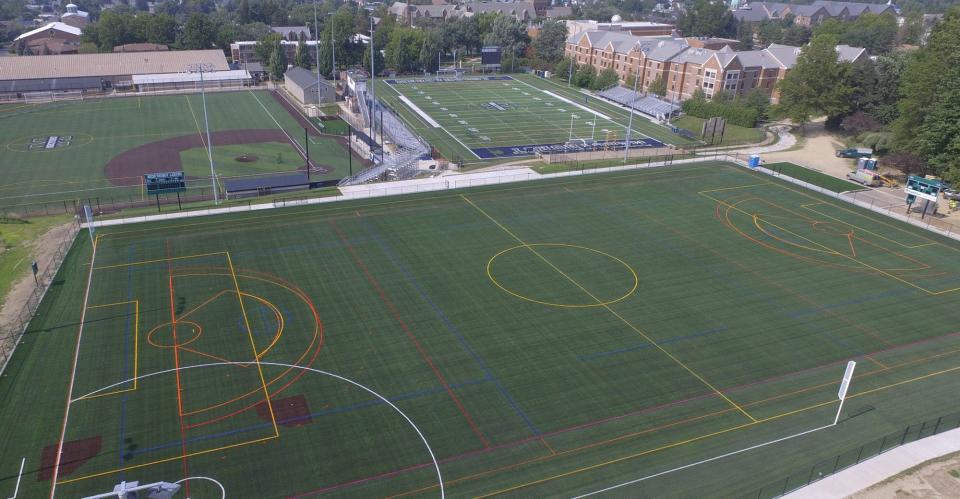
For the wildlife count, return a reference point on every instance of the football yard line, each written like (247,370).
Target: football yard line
(454,137)
(609,309)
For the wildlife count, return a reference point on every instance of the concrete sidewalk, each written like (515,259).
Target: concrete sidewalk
(882,467)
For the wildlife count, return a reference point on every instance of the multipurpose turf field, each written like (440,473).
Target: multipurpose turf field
(489,117)
(544,338)
(102,147)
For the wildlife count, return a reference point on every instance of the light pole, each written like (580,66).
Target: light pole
(206,68)
(633,100)
(373,94)
(333,49)
(316,47)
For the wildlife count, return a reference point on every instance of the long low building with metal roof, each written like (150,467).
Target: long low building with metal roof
(99,72)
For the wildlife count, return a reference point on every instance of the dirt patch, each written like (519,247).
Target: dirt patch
(246,158)
(290,412)
(935,478)
(75,453)
(128,167)
(818,152)
(44,250)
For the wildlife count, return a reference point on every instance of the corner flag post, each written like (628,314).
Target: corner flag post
(844,386)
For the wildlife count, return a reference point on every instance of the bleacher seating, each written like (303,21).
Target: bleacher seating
(643,103)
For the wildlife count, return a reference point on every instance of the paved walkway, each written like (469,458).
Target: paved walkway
(882,467)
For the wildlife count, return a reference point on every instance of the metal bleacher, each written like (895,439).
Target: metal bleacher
(643,103)
(403,162)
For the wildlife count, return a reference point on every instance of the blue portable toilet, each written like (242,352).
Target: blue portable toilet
(754,161)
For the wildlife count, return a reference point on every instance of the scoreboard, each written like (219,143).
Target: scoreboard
(490,56)
(163,183)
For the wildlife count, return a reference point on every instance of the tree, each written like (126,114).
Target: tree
(708,18)
(924,105)
(114,29)
(562,69)
(906,163)
(198,33)
(403,49)
(757,100)
(303,58)
(278,62)
(859,122)
(378,60)
(263,49)
(815,86)
(658,86)
(549,44)
(584,76)
(606,79)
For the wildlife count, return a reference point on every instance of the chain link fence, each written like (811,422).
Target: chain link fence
(824,468)
(13,329)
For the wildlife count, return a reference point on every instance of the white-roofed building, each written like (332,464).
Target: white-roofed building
(52,39)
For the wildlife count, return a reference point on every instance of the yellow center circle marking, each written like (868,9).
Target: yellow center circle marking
(633,274)
(195,329)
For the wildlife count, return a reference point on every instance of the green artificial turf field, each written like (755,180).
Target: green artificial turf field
(98,131)
(545,339)
(525,110)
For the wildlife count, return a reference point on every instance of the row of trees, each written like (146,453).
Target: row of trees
(907,103)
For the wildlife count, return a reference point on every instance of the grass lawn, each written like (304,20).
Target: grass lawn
(813,177)
(15,236)
(100,129)
(732,135)
(544,338)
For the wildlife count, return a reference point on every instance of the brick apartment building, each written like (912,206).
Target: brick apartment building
(812,14)
(687,64)
(243,51)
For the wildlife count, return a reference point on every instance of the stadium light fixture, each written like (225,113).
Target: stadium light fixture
(206,68)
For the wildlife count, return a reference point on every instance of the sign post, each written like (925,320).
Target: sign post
(844,386)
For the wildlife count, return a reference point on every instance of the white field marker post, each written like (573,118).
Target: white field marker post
(844,386)
(16,489)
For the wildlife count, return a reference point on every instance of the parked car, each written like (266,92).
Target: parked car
(855,152)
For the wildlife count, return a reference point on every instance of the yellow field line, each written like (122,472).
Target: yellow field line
(196,122)
(136,345)
(253,344)
(351,207)
(165,460)
(158,260)
(608,308)
(736,187)
(829,250)
(709,435)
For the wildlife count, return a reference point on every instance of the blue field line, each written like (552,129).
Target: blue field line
(126,353)
(729,279)
(325,412)
(855,301)
(645,345)
(412,280)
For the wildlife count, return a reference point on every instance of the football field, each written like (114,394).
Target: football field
(489,117)
(539,339)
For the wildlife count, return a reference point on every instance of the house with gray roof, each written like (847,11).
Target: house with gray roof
(812,14)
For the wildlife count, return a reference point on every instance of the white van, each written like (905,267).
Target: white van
(869,178)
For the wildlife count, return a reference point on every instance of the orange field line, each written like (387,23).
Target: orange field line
(176,364)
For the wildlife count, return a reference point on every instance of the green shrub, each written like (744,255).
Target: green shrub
(734,114)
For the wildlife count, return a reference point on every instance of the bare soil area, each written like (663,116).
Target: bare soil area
(44,251)
(936,478)
(817,152)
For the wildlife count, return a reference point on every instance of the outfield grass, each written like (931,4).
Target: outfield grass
(530,116)
(814,177)
(103,128)
(732,134)
(547,338)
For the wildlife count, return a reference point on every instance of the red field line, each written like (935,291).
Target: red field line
(403,325)
(176,364)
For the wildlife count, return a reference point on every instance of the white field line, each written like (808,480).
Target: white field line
(634,131)
(721,456)
(73,375)
(16,489)
(426,117)
(296,145)
(581,106)
(442,128)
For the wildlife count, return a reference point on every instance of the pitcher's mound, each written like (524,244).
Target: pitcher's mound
(246,158)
